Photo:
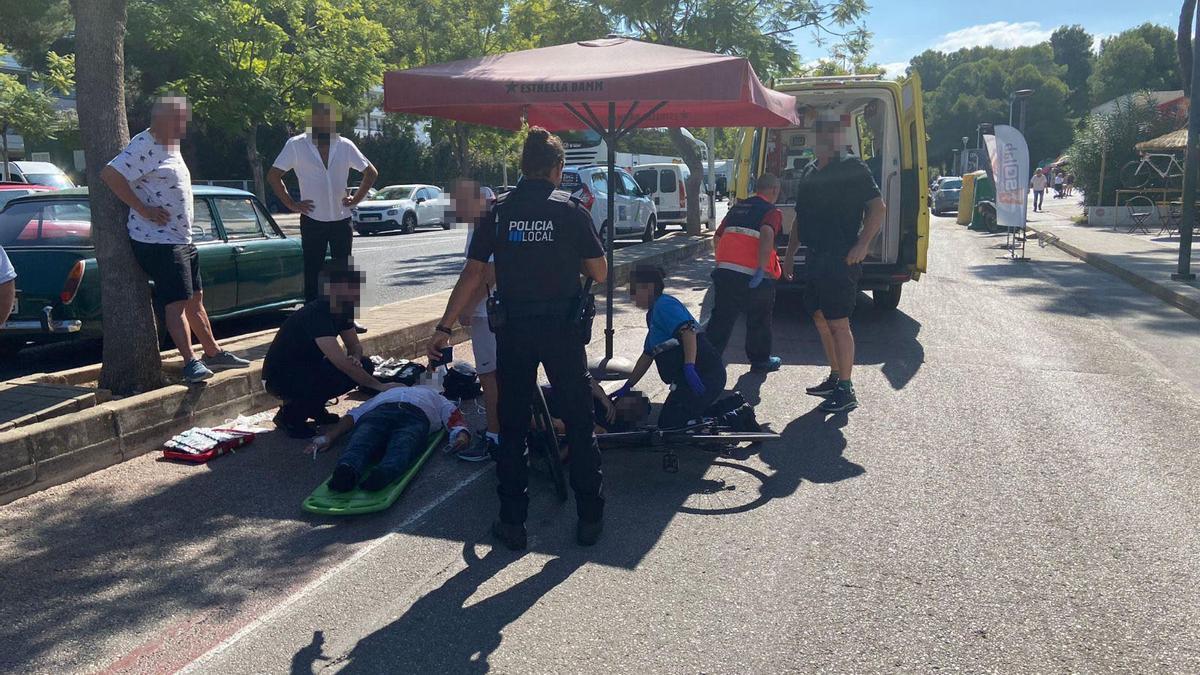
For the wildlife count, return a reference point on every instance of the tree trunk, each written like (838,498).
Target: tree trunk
(131,361)
(4,138)
(462,136)
(695,191)
(256,170)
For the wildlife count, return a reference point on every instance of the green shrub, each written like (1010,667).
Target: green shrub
(1134,120)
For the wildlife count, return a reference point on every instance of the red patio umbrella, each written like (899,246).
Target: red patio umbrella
(611,86)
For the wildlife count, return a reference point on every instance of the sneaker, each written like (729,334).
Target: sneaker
(843,400)
(325,417)
(512,535)
(344,479)
(825,389)
(224,361)
(359,328)
(380,478)
(195,371)
(300,429)
(588,532)
(482,451)
(769,366)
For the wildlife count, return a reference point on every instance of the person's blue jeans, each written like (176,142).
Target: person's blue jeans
(395,435)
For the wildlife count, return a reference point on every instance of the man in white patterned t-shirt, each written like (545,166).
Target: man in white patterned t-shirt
(150,176)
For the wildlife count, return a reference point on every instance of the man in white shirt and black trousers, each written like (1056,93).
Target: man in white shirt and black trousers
(322,160)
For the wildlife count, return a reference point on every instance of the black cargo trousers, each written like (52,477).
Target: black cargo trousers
(555,344)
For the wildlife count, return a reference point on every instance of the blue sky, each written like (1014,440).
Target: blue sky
(904,29)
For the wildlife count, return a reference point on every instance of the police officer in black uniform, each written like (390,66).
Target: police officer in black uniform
(541,239)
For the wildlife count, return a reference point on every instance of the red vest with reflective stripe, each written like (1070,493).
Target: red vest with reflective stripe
(738,248)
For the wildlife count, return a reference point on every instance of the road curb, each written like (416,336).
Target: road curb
(61,449)
(1142,283)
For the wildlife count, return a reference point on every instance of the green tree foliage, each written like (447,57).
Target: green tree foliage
(29,112)
(1142,58)
(973,86)
(1109,140)
(30,27)
(1072,47)
(245,64)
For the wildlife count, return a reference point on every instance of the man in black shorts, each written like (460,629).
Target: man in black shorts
(838,212)
(151,178)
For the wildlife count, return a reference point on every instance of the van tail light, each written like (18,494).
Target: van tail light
(587,197)
(71,287)
(682,194)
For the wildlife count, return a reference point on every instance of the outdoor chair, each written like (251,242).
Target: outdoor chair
(1174,219)
(1141,211)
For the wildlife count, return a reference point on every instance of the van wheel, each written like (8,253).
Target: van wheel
(409,224)
(652,230)
(603,234)
(363,231)
(887,298)
(445,226)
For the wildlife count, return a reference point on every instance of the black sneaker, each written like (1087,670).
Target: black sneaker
(512,535)
(294,428)
(344,479)
(325,417)
(588,532)
(842,400)
(825,389)
(359,328)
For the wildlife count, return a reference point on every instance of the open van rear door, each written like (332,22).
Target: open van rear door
(914,215)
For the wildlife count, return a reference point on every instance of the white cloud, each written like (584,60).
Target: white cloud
(893,70)
(1001,34)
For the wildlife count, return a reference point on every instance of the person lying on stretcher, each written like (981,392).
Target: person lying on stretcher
(392,428)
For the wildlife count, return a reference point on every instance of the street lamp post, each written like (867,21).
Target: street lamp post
(963,155)
(1021,95)
(1190,166)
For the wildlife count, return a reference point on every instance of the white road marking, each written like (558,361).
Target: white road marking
(279,609)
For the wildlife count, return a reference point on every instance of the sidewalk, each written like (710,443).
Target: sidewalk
(1144,261)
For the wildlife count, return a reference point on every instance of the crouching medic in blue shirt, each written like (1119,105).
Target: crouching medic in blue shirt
(684,356)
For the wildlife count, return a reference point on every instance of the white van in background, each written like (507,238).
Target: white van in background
(667,185)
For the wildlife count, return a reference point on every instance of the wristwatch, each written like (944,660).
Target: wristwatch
(442,329)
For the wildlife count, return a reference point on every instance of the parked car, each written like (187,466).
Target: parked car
(667,186)
(635,211)
(10,191)
(39,173)
(945,198)
(353,190)
(248,265)
(403,208)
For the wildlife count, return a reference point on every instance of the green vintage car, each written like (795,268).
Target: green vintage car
(247,263)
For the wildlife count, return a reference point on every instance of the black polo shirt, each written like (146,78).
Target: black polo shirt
(295,345)
(830,204)
(539,237)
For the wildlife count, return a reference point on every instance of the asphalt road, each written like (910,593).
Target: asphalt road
(1017,493)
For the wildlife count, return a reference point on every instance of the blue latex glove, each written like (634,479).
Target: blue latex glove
(757,278)
(623,391)
(693,379)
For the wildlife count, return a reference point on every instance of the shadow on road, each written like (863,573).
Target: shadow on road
(440,633)
(1072,288)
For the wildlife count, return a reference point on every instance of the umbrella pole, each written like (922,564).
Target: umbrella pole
(611,142)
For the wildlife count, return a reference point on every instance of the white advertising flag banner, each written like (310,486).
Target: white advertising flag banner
(1010,169)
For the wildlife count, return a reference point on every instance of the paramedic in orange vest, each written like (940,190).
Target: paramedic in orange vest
(747,273)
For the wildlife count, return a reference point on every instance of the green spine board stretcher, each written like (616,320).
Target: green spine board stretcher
(326,502)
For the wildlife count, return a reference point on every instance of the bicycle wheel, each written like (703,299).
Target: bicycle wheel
(1134,175)
(545,442)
